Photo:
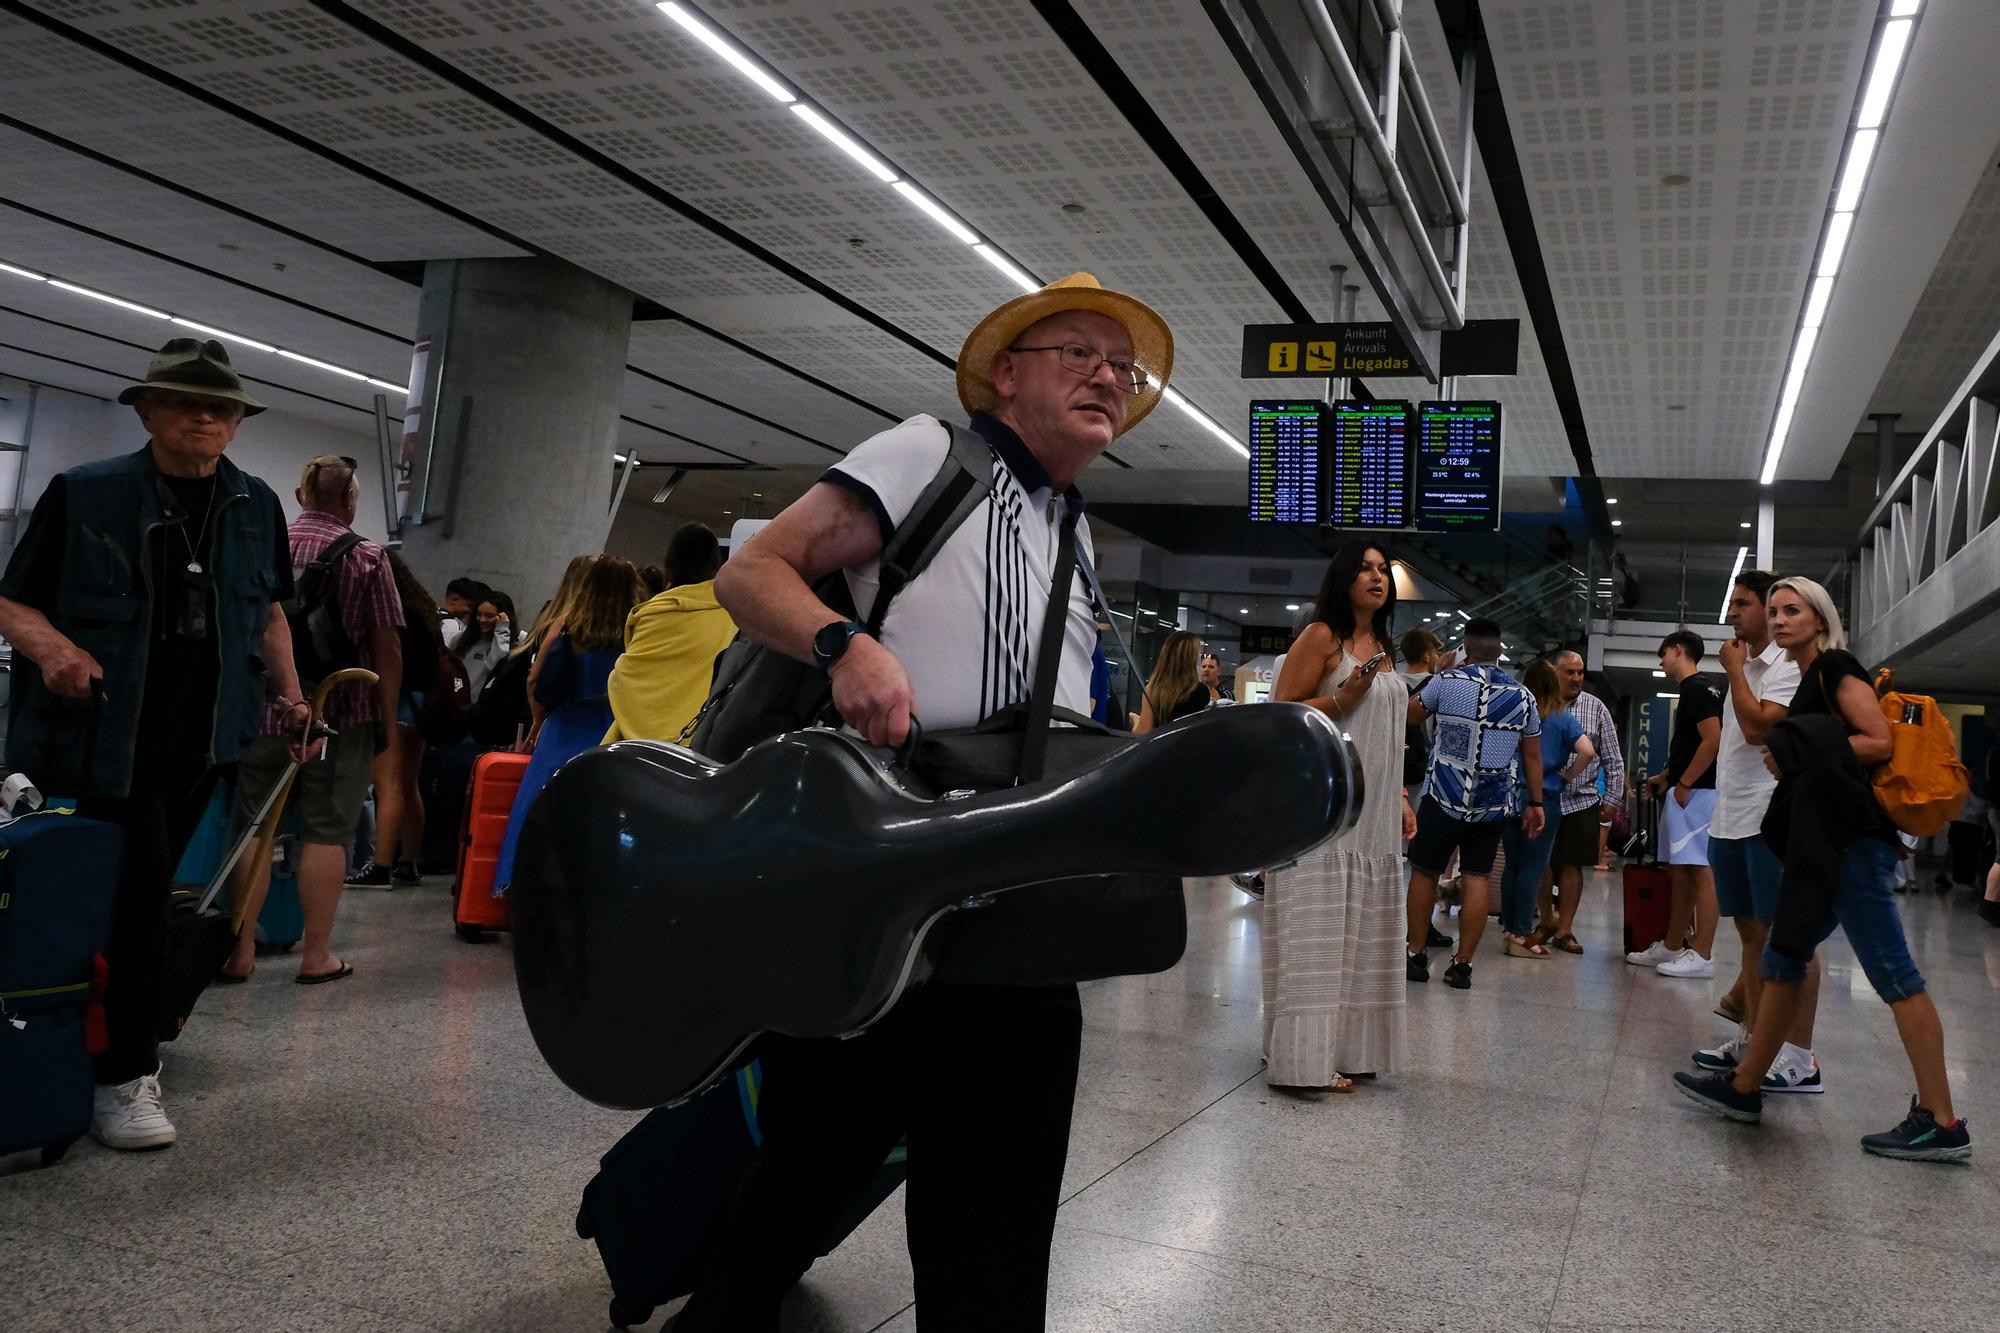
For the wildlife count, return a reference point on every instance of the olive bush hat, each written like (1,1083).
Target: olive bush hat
(1152,341)
(186,365)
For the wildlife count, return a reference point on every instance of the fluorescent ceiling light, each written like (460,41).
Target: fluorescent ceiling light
(1854,175)
(1666,694)
(1660,675)
(223,334)
(1822,292)
(1291,606)
(209,329)
(937,212)
(1795,382)
(1241,611)
(1882,74)
(327,366)
(1463,615)
(1611,500)
(1207,422)
(1905,8)
(728,50)
(1617,522)
(1015,275)
(846,143)
(1838,229)
(1743,524)
(109,300)
(1742,553)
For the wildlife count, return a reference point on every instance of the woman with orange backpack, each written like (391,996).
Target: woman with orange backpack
(1839,851)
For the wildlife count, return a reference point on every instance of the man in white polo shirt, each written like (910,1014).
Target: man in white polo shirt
(1762,681)
(980,1077)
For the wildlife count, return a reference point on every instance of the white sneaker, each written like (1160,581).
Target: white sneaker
(129,1117)
(1687,963)
(1723,1058)
(1794,1071)
(1651,956)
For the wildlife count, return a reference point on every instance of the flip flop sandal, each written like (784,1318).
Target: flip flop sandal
(1567,943)
(231,979)
(320,979)
(1722,1011)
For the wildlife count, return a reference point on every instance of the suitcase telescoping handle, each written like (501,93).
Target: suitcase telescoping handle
(263,826)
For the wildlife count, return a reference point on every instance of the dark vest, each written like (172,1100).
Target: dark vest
(105,607)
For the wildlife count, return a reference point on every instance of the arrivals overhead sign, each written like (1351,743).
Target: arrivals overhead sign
(1341,351)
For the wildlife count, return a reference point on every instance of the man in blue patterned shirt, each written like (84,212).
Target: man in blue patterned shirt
(1482,716)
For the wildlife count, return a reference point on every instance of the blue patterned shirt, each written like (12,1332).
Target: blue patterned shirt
(1482,716)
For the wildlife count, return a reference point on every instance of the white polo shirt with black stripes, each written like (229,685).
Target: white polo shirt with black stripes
(968,628)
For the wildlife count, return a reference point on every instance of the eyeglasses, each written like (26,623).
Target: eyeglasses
(222,409)
(1080,360)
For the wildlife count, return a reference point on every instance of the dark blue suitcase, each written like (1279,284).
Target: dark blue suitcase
(661,1192)
(58,881)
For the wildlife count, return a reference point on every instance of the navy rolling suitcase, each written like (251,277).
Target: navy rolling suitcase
(661,1192)
(58,881)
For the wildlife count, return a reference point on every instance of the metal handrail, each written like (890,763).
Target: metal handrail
(1384,153)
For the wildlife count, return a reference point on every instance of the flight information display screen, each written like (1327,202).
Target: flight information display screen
(1368,472)
(1458,466)
(1285,462)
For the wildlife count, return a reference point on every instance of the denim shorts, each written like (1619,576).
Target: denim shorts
(1865,907)
(1746,876)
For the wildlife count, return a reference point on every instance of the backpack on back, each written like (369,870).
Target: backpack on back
(447,711)
(320,645)
(1922,785)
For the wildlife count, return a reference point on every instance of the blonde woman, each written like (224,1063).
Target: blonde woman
(1566,751)
(1174,690)
(1825,826)
(1334,923)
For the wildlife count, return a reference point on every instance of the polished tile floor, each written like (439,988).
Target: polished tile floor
(390,1153)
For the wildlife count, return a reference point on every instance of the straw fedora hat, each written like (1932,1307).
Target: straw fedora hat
(186,365)
(1152,341)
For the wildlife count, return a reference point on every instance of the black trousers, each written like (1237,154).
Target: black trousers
(981,1078)
(159,817)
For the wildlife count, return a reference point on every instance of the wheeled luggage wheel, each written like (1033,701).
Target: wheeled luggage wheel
(629,1314)
(470,934)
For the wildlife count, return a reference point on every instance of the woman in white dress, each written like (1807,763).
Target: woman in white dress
(1334,923)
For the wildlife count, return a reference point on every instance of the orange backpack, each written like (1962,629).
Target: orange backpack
(1922,786)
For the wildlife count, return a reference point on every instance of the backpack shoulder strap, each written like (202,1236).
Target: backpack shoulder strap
(963,480)
(336,550)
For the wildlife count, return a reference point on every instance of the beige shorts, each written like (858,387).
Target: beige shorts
(328,794)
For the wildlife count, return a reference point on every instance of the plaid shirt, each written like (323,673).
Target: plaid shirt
(366,589)
(1581,793)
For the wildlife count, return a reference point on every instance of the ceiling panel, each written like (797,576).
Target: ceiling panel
(1679,293)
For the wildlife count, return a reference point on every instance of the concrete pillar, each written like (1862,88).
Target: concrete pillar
(527,366)
(1767,533)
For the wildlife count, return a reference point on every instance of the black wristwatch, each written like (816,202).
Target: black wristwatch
(1534,805)
(832,641)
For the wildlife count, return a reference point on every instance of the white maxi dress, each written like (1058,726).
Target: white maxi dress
(1335,924)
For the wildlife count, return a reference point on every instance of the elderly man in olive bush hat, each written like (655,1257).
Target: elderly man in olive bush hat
(143,604)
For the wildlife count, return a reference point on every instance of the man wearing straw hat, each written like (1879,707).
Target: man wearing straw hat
(980,1078)
(144,597)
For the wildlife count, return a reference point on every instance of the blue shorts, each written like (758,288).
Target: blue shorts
(1746,877)
(1865,907)
(1684,830)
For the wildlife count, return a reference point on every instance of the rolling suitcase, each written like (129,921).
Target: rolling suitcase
(281,922)
(660,1193)
(496,777)
(1648,894)
(58,882)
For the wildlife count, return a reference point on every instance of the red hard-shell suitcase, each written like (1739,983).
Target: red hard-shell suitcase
(495,780)
(1648,893)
